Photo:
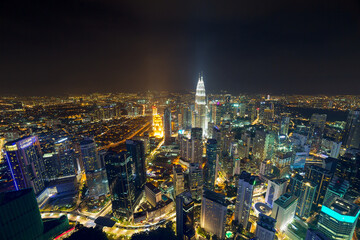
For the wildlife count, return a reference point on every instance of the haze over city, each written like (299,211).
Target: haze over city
(277,47)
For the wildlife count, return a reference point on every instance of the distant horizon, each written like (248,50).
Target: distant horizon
(177,91)
(277,47)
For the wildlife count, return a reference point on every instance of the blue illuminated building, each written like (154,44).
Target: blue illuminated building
(24,158)
(338,218)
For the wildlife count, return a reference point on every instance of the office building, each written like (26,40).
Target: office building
(89,155)
(306,199)
(351,137)
(244,198)
(313,234)
(265,169)
(167,126)
(213,213)
(152,194)
(121,183)
(201,106)
(284,125)
(317,126)
(337,187)
(295,185)
(96,179)
(24,158)
(210,170)
(51,166)
(338,218)
(185,148)
(66,157)
(196,181)
(301,153)
(196,145)
(330,147)
(21,219)
(276,188)
(265,228)
(136,150)
(186,114)
(185,216)
(348,168)
(282,161)
(321,178)
(283,211)
(259,147)
(178,180)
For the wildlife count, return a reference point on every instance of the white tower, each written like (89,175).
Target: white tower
(201,106)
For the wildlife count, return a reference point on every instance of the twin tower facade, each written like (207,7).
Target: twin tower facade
(201,108)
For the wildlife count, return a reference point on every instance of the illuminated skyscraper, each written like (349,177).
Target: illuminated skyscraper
(317,126)
(210,170)
(244,198)
(51,165)
(284,125)
(25,162)
(265,228)
(338,218)
(66,156)
(136,150)
(195,180)
(352,130)
(213,213)
(196,145)
(178,180)
(284,210)
(121,183)
(185,216)
(95,176)
(276,188)
(320,177)
(295,185)
(167,125)
(201,106)
(157,124)
(305,201)
(337,187)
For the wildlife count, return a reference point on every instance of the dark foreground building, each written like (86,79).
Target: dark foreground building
(21,220)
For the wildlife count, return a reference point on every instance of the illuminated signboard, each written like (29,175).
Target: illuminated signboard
(62,140)
(27,142)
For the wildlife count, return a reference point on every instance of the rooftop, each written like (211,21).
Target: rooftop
(339,185)
(266,222)
(86,141)
(341,207)
(152,188)
(279,181)
(247,177)
(187,197)
(285,200)
(6,197)
(215,197)
(17,140)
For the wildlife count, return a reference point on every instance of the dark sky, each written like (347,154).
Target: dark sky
(272,46)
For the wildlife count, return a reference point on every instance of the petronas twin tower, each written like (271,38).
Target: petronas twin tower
(201,108)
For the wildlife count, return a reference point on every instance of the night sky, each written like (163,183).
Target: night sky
(280,46)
